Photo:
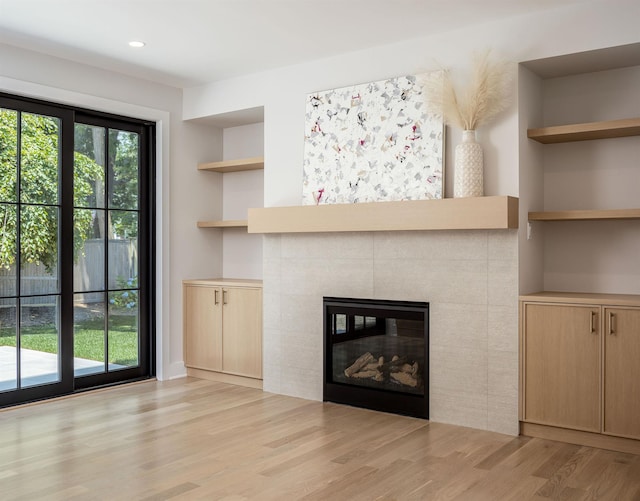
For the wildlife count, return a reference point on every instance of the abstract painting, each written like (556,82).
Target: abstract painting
(372,142)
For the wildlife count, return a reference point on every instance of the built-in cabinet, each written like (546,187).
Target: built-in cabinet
(579,350)
(222,317)
(622,371)
(223,329)
(561,356)
(579,362)
(202,326)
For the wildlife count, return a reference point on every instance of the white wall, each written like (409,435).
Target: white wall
(283,91)
(182,251)
(531,183)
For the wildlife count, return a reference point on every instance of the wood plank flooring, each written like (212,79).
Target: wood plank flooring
(192,439)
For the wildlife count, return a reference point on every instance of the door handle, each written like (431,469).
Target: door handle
(215,297)
(593,322)
(612,317)
(224,296)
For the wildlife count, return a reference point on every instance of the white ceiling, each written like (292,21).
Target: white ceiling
(190,42)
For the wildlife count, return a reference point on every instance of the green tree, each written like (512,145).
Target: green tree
(123,177)
(39,161)
(122,159)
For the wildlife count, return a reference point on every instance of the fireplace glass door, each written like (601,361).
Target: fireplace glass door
(376,354)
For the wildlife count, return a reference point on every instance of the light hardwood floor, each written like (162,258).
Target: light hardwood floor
(196,439)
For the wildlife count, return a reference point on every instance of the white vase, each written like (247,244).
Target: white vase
(469,179)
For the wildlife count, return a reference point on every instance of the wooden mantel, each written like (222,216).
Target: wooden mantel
(481,213)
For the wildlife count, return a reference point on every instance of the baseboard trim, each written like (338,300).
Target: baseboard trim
(597,440)
(220,377)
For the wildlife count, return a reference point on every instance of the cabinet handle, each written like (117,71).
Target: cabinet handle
(593,321)
(224,296)
(611,319)
(215,297)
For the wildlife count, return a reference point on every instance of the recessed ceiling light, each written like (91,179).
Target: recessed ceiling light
(136,43)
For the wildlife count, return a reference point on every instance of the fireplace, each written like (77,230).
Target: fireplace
(376,354)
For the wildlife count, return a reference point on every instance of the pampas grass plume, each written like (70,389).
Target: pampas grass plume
(486,95)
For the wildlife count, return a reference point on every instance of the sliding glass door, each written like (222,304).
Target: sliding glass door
(75,250)
(33,244)
(109,222)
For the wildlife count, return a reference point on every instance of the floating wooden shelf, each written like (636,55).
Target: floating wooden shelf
(482,213)
(584,132)
(238,223)
(584,215)
(254,163)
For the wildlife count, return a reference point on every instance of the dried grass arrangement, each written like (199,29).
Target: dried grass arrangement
(487,94)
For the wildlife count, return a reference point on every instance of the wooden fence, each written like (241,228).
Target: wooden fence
(88,271)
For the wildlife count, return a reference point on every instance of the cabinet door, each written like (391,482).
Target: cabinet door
(242,332)
(562,365)
(622,372)
(203,327)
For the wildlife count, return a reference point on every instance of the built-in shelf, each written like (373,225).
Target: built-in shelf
(584,215)
(253,163)
(238,223)
(481,213)
(586,131)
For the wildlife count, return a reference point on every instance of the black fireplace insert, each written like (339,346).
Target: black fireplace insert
(376,354)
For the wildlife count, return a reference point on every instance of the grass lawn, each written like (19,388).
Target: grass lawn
(88,339)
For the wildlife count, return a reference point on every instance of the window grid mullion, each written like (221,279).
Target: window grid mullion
(18,262)
(107,229)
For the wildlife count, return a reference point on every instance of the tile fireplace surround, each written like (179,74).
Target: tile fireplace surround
(469,277)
